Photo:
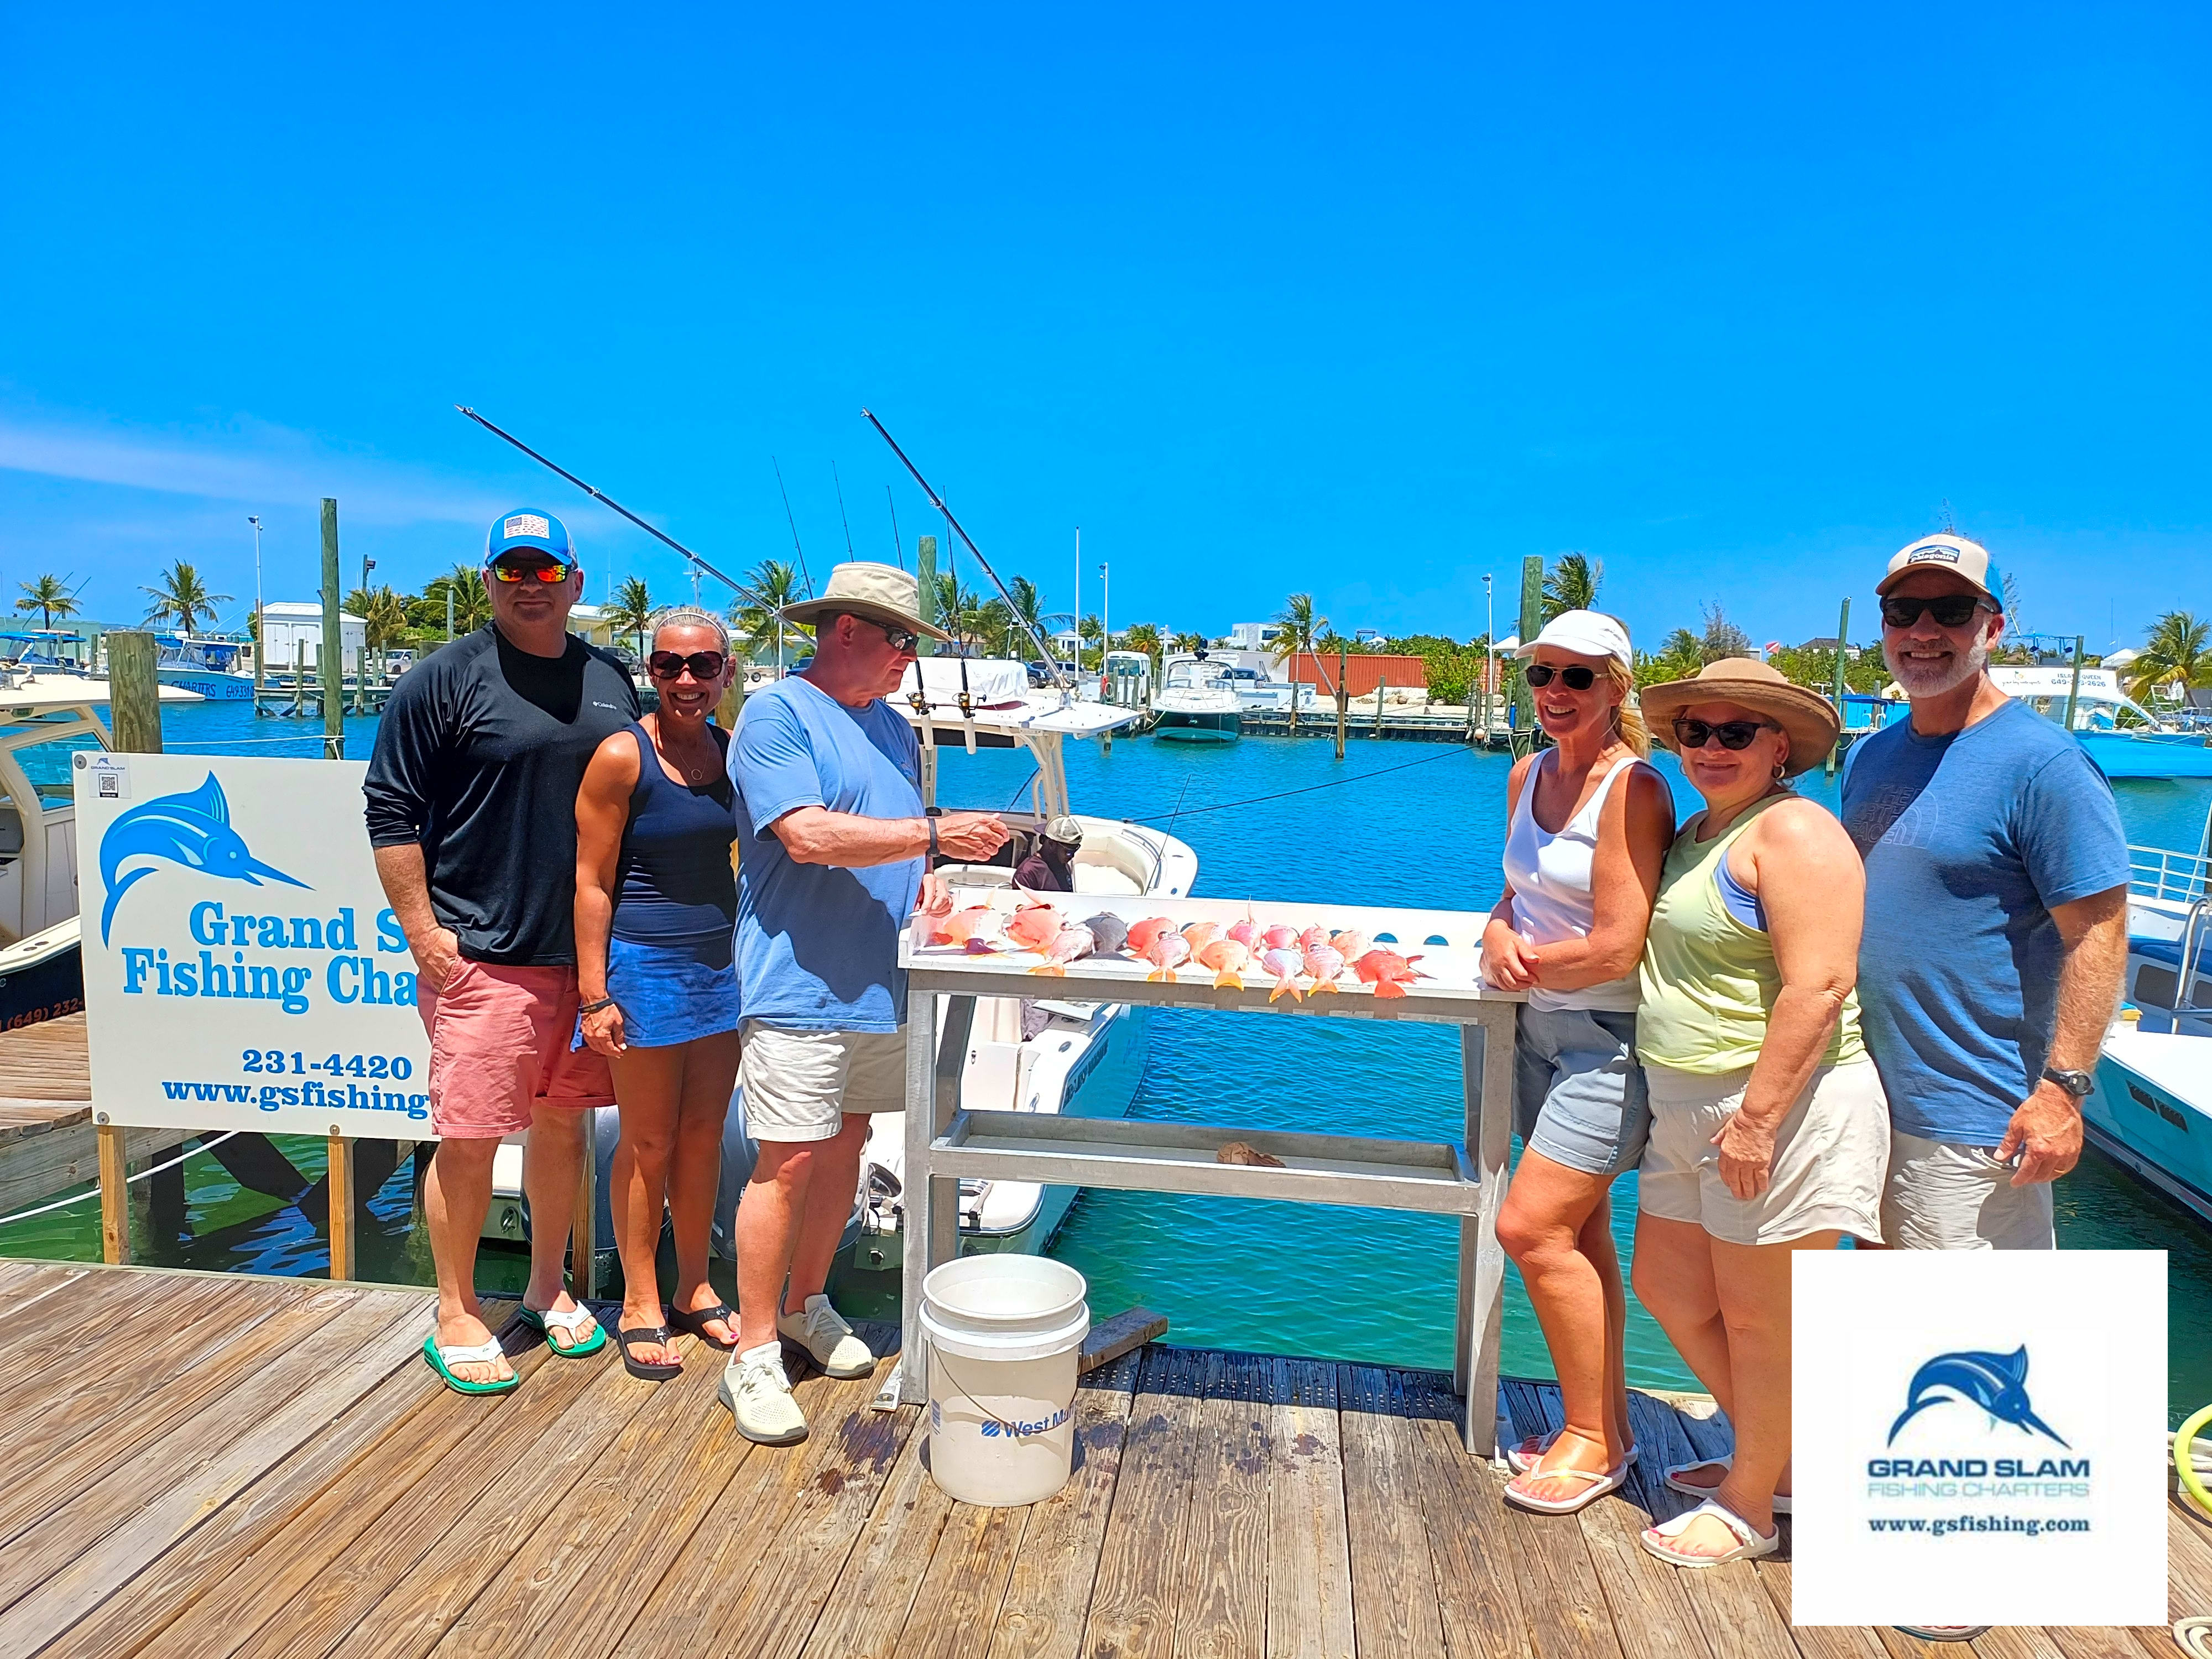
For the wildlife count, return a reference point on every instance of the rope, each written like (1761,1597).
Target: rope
(1285,794)
(230,744)
(64,1203)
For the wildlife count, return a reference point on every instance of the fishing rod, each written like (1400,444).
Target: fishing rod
(938,501)
(793,523)
(841,519)
(601,496)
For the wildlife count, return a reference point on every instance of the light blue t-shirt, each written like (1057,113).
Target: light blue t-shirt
(1969,840)
(818,946)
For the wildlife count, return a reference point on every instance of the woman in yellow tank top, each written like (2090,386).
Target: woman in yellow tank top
(1770,1132)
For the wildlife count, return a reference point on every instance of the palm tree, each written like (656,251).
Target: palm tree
(384,615)
(51,596)
(1301,631)
(2175,653)
(1679,657)
(1028,616)
(632,610)
(759,629)
(183,598)
(471,604)
(1144,637)
(1572,585)
(1187,641)
(1088,632)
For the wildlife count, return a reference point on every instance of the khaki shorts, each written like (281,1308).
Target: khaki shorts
(1830,1154)
(1946,1197)
(799,1085)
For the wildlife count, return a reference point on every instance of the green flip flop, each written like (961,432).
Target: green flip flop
(443,1359)
(539,1320)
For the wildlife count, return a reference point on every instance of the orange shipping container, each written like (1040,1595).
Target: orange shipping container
(1363,671)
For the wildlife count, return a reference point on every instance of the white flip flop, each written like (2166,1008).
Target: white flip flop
(1751,1545)
(1525,1456)
(1725,1460)
(1600,1482)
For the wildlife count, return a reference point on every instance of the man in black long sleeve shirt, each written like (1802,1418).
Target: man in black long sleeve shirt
(472,798)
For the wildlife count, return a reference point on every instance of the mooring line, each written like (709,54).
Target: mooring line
(1285,794)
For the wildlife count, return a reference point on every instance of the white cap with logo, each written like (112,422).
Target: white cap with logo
(1585,633)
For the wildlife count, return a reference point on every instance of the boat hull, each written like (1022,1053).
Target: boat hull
(2147,754)
(42,978)
(1199,728)
(2152,1131)
(211,683)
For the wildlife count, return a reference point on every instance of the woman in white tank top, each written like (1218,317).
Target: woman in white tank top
(1589,824)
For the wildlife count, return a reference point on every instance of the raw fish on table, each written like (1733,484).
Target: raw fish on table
(1227,958)
(976,928)
(1036,926)
(1323,963)
(1109,930)
(1245,931)
(1387,971)
(1165,953)
(1072,944)
(1142,933)
(1199,934)
(1280,937)
(1285,965)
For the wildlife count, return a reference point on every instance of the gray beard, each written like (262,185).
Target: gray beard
(1919,681)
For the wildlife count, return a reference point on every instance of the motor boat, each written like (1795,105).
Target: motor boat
(1196,703)
(212,667)
(2124,738)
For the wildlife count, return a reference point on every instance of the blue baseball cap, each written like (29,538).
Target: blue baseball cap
(527,528)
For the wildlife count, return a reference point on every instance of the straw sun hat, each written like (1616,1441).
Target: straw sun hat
(1808,717)
(881,592)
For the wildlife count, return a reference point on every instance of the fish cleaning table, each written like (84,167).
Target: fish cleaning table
(947,1142)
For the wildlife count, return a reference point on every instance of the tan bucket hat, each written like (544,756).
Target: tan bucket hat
(881,592)
(1808,717)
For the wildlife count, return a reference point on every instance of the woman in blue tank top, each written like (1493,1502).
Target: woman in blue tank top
(656,905)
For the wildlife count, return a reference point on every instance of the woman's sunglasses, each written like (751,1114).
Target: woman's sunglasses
(1734,734)
(1952,610)
(551,572)
(1578,678)
(705,665)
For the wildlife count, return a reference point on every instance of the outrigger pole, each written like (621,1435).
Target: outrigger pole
(601,496)
(938,501)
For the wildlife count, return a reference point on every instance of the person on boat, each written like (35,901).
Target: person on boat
(833,842)
(1051,867)
(1769,1133)
(1588,824)
(656,920)
(471,798)
(1997,907)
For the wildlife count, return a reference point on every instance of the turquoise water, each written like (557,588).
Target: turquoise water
(1420,825)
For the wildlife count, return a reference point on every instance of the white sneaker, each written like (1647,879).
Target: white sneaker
(823,1332)
(758,1394)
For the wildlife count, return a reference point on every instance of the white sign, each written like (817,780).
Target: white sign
(241,970)
(1978,1437)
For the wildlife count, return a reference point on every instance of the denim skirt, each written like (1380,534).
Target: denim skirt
(670,994)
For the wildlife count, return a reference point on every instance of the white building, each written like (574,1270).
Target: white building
(1255,637)
(285,625)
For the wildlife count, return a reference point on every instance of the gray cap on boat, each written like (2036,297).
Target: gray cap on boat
(1065,830)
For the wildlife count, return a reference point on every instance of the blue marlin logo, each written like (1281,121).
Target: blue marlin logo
(1998,1383)
(191,830)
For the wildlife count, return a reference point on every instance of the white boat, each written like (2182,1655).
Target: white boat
(1196,702)
(209,666)
(2124,738)
(2151,1111)
(45,719)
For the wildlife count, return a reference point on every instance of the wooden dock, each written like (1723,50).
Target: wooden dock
(47,1142)
(218,1465)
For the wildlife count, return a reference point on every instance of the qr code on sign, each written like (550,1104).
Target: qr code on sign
(111,786)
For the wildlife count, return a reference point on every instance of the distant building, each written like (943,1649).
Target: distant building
(1369,636)
(1253,636)
(1850,652)
(287,627)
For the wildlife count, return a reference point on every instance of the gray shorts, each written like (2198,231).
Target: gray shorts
(1945,1197)
(1578,1094)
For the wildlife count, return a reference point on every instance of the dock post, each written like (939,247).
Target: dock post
(1842,644)
(2074,688)
(114,1197)
(339,1190)
(1341,708)
(333,641)
(299,676)
(584,1231)
(134,692)
(1532,624)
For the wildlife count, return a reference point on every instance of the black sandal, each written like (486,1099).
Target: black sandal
(695,1324)
(657,1334)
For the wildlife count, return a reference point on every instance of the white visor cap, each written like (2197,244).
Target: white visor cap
(1585,633)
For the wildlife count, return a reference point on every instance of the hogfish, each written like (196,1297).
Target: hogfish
(1073,945)
(1387,971)
(1142,933)
(1243,932)
(1036,926)
(1226,957)
(1351,943)
(1199,934)
(1285,966)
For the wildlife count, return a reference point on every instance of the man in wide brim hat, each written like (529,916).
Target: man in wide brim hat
(880,593)
(1808,719)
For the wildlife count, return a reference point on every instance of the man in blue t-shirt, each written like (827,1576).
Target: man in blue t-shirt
(833,846)
(1995,936)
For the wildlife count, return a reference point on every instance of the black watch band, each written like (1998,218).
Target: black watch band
(594,1007)
(2076,1084)
(932,822)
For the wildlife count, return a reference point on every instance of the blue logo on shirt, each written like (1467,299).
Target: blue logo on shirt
(1998,1383)
(192,829)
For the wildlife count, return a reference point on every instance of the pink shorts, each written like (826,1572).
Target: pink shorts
(499,1049)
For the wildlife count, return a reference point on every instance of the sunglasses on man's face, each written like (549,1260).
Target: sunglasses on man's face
(551,572)
(705,665)
(1951,610)
(1577,678)
(901,639)
(1734,735)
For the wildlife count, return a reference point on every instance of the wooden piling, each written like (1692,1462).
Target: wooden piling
(1843,637)
(1532,624)
(344,1236)
(333,640)
(299,676)
(134,692)
(925,565)
(1343,709)
(114,1197)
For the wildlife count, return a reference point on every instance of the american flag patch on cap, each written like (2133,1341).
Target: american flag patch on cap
(526,524)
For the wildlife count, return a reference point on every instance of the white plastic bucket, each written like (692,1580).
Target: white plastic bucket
(1005,1332)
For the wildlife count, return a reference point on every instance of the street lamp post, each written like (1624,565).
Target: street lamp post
(1105,626)
(260,621)
(1489,648)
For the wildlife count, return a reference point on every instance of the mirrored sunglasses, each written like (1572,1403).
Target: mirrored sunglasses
(551,572)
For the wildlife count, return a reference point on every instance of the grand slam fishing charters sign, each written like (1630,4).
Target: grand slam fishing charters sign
(242,970)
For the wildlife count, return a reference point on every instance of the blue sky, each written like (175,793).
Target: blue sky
(1365,301)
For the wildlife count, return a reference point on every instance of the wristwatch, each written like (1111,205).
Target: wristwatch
(932,822)
(2076,1084)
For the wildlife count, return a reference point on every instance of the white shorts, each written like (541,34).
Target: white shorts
(800,1086)
(1830,1152)
(1945,1197)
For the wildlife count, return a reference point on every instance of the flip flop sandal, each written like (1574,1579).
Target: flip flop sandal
(1525,1456)
(546,1321)
(695,1323)
(1750,1545)
(442,1359)
(1943,1632)
(1601,1481)
(656,1334)
(1674,1482)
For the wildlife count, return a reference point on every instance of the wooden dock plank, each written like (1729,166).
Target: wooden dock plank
(1480,1602)
(1652,1618)
(1394,1605)
(1049,1589)
(1134,1599)
(1817,1641)
(2188,1565)
(1221,1611)
(963,1587)
(1562,1597)
(1736,1613)
(875,1591)
(1309,1614)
